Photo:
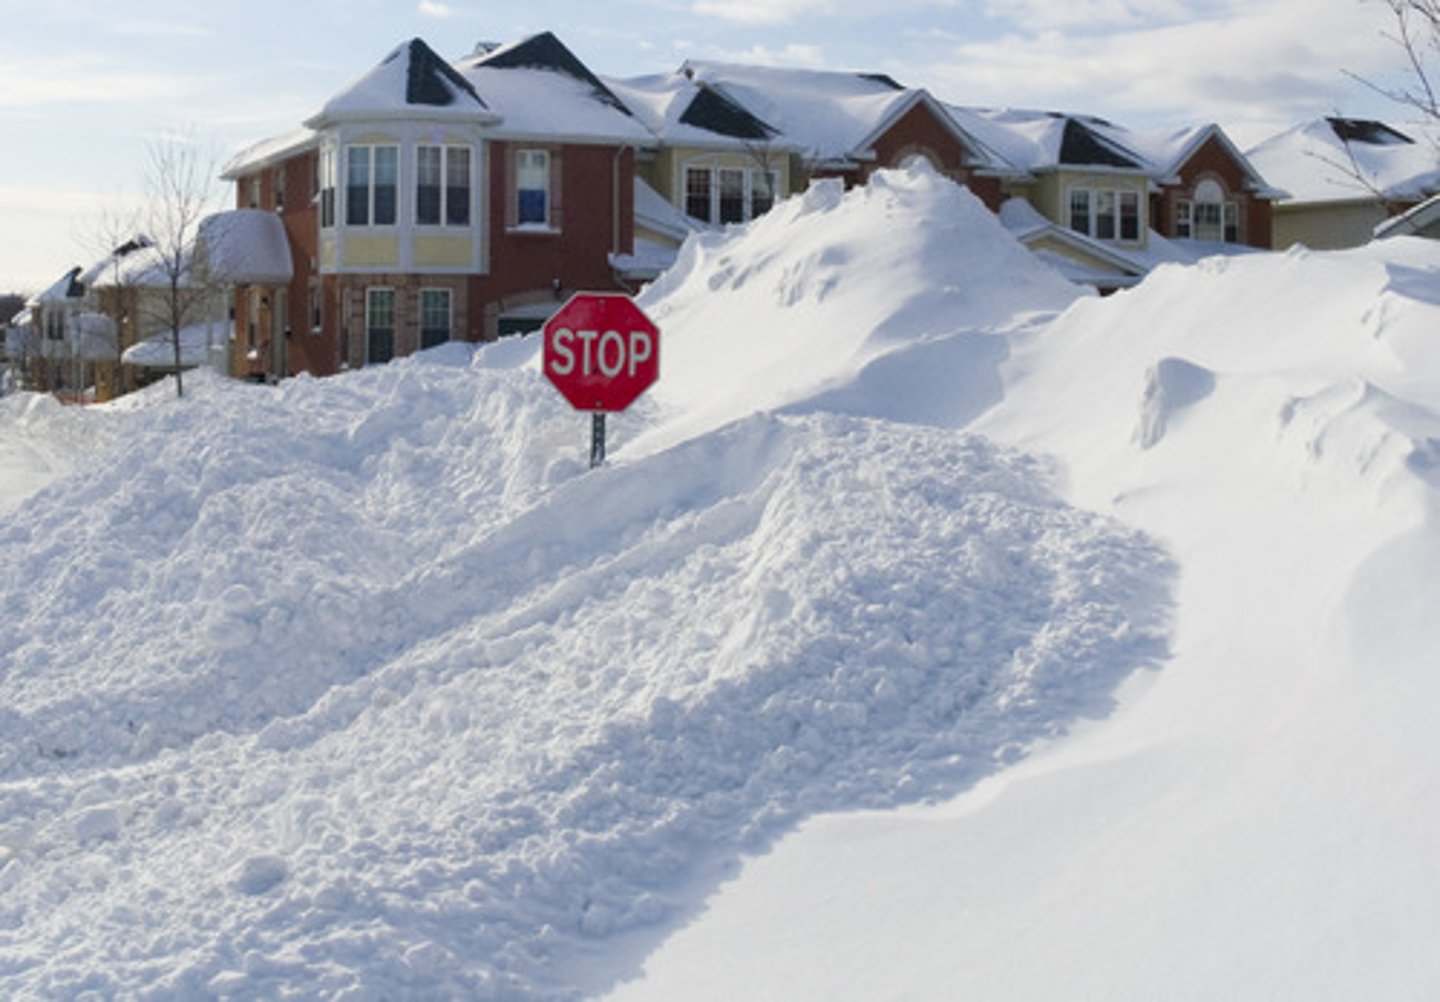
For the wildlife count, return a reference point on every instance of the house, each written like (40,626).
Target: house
(849,125)
(1343,177)
(1422,220)
(1105,204)
(431,201)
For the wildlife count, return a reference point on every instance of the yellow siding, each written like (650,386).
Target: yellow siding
(1325,225)
(444,252)
(372,251)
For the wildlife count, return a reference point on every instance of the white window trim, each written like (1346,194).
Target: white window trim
(447,150)
(751,175)
(1118,196)
(544,225)
(449,294)
(370,186)
(370,290)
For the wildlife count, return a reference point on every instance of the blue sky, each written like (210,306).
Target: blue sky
(85,86)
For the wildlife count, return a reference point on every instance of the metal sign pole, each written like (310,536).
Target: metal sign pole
(597,439)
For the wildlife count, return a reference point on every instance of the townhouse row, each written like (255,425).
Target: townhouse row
(434,200)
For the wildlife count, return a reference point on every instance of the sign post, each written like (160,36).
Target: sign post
(601,352)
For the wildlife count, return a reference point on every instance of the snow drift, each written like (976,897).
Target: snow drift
(365,685)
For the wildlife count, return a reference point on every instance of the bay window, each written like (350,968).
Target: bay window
(435,317)
(379,325)
(371,177)
(442,185)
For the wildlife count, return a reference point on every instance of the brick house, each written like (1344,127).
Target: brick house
(429,202)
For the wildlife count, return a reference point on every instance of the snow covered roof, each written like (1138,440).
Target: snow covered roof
(681,112)
(270,151)
(1342,159)
(121,265)
(158,351)
(412,81)
(832,116)
(539,89)
(67,289)
(246,247)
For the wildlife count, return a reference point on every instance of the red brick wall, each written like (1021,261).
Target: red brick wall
(1213,160)
(919,130)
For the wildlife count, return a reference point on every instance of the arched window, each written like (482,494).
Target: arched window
(1209,215)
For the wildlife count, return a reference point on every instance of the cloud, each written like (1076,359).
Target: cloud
(757,11)
(38,83)
(1285,59)
(435,9)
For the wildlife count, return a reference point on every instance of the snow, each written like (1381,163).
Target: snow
(929,618)
(1311,163)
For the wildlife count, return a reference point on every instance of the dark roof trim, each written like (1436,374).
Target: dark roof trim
(882,78)
(1080,145)
(1372,133)
(713,112)
(429,79)
(546,52)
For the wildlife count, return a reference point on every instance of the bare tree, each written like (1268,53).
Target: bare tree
(1416,30)
(115,237)
(180,192)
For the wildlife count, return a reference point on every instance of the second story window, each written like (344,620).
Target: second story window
(1105,213)
(532,187)
(325,185)
(442,185)
(371,176)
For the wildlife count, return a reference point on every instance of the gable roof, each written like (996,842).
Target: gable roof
(833,117)
(680,112)
(412,81)
(545,52)
(1342,159)
(541,90)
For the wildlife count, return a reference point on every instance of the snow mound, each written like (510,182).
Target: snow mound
(813,296)
(363,687)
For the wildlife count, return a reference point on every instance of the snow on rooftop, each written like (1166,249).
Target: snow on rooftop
(828,114)
(1313,163)
(411,81)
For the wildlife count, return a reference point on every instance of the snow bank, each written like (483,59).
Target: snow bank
(823,292)
(365,687)
(1257,819)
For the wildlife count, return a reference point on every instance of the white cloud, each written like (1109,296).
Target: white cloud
(757,11)
(1283,59)
(1047,15)
(435,9)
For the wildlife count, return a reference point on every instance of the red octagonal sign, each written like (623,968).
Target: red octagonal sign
(601,351)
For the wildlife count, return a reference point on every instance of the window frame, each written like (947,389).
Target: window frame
(427,293)
(725,204)
(1109,214)
(372,292)
(453,183)
(540,166)
(371,202)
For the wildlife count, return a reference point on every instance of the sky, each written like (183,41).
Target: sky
(88,89)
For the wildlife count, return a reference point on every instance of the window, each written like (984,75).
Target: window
(442,185)
(1209,216)
(729,194)
(532,187)
(435,317)
(325,182)
(379,325)
(732,195)
(280,187)
(697,192)
(371,174)
(1105,213)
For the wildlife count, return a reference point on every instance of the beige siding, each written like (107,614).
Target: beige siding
(1326,225)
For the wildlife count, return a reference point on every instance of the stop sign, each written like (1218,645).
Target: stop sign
(601,351)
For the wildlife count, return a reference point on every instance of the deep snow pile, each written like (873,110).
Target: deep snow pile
(366,687)
(1258,819)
